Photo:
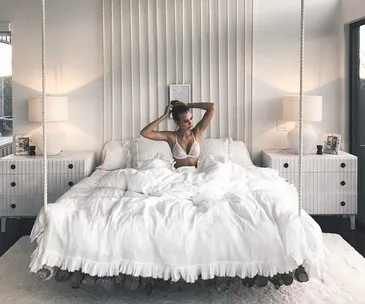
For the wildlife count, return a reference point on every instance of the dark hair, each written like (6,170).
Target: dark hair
(177,110)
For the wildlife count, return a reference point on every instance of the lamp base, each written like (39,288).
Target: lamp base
(55,139)
(309,139)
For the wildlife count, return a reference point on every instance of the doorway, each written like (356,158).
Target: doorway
(357,106)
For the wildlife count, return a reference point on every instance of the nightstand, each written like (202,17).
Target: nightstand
(329,181)
(21,181)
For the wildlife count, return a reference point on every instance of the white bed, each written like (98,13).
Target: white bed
(136,215)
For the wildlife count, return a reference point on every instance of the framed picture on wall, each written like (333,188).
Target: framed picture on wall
(332,143)
(180,92)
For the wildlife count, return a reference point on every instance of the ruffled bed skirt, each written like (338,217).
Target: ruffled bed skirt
(190,274)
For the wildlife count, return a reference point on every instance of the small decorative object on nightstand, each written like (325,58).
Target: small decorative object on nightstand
(21,145)
(332,143)
(32,150)
(319,149)
(21,181)
(329,181)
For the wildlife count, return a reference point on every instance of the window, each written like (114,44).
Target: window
(6,102)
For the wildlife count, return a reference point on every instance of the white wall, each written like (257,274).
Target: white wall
(352,10)
(276,66)
(73,58)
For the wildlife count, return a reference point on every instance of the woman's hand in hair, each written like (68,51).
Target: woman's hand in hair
(167,110)
(149,130)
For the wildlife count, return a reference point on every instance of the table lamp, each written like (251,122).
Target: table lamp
(56,111)
(312,111)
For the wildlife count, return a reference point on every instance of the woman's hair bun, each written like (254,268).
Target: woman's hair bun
(177,108)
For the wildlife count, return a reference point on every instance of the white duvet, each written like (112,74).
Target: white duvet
(219,220)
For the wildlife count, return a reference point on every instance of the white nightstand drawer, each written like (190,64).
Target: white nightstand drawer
(315,165)
(330,203)
(323,183)
(32,184)
(21,184)
(36,166)
(284,161)
(22,205)
(60,183)
(66,162)
(10,166)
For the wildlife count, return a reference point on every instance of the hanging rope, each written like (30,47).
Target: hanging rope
(301,108)
(44,124)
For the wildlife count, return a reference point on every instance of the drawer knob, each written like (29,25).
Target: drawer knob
(343,203)
(13,167)
(343,165)
(13,184)
(343,183)
(13,206)
(70,166)
(70,184)
(286,165)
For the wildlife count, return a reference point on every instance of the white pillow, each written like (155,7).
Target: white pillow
(238,154)
(143,149)
(215,147)
(116,155)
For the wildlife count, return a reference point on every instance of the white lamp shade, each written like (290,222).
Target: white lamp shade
(312,108)
(56,108)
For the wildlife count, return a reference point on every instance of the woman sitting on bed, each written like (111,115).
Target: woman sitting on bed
(185,140)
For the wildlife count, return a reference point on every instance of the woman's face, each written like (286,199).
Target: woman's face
(185,121)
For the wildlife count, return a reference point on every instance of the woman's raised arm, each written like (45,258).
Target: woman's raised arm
(149,132)
(207,117)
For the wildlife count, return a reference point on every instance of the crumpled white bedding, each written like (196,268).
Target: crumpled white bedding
(219,220)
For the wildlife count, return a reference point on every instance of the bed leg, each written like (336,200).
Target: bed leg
(3,224)
(352,222)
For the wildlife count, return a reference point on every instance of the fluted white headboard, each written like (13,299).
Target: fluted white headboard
(149,45)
